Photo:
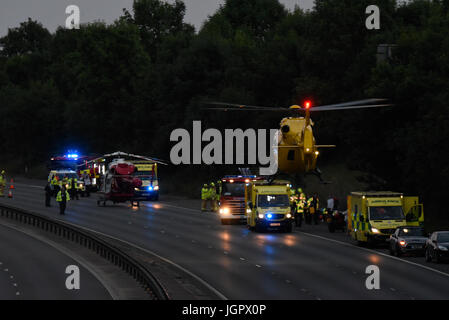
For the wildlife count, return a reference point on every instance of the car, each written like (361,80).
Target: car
(410,240)
(437,246)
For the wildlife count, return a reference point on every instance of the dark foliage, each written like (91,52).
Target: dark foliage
(129,84)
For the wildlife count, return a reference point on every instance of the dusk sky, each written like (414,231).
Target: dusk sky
(51,13)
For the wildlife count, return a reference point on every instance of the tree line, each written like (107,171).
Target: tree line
(128,84)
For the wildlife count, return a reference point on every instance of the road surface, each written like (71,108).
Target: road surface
(239,264)
(32,269)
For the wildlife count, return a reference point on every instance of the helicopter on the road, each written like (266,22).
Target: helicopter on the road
(296,149)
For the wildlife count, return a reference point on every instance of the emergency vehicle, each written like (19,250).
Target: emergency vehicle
(66,166)
(373,216)
(147,172)
(268,206)
(232,197)
(60,174)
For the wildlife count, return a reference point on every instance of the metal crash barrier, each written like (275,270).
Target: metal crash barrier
(115,256)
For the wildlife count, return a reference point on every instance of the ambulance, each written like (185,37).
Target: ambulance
(373,216)
(147,172)
(268,206)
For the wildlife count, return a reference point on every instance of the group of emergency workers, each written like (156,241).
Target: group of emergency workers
(66,189)
(304,208)
(210,193)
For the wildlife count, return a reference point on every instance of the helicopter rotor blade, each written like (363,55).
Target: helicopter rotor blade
(238,106)
(328,108)
(353,103)
(248,109)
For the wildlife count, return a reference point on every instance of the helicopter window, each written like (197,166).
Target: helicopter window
(291,155)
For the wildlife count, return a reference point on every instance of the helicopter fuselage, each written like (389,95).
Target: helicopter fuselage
(297,151)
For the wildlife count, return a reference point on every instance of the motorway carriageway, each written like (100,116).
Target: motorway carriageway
(32,268)
(238,264)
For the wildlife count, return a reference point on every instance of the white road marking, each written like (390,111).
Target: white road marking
(29,185)
(376,252)
(203,282)
(243,259)
(258,266)
(69,254)
(170,205)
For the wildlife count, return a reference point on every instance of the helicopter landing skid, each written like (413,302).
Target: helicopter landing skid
(317,172)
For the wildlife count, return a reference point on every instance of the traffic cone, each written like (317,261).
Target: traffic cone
(10,194)
(12,184)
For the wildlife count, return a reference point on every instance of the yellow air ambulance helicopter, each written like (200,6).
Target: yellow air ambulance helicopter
(297,151)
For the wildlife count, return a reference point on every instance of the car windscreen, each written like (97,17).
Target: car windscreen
(386,213)
(443,237)
(273,200)
(68,175)
(233,189)
(412,232)
(145,174)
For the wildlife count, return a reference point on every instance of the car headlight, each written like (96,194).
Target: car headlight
(248,210)
(374,230)
(403,243)
(289,215)
(156,188)
(224,210)
(442,248)
(136,189)
(260,216)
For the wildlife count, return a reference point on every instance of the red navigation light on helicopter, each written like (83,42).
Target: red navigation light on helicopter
(307,104)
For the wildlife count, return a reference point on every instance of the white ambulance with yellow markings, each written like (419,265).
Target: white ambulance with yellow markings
(374,215)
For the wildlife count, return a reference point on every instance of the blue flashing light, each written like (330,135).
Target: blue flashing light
(72,156)
(269,216)
(150,188)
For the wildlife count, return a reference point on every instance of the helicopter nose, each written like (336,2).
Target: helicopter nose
(285,129)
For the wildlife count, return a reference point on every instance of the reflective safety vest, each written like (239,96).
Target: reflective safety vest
(59,196)
(204,193)
(54,182)
(2,180)
(212,193)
